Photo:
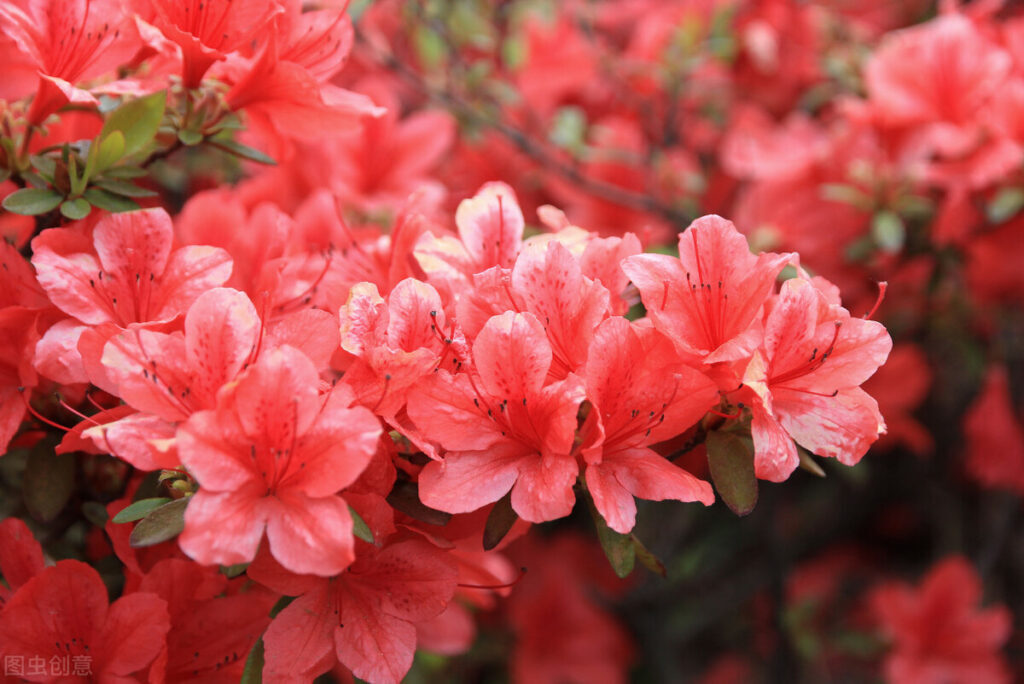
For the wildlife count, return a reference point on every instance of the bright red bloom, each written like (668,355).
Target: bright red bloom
(63,613)
(502,427)
(806,377)
(939,634)
(995,435)
(67,41)
(562,633)
(208,30)
(365,617)
(707,300)
(641,393)
(273,456)
(211,634)
(21,557)
(18,336)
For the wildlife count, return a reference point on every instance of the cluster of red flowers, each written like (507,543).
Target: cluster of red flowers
(313,409)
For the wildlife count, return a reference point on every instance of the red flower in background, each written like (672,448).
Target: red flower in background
(995,435)
(939,634)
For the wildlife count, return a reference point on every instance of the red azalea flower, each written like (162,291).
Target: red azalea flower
(806,376)
(62,615)
(939,634)
(208,30)
(67,41)
(995,435)
(365,617)
(641,393)
(273,456)
(502,427)
(707,301)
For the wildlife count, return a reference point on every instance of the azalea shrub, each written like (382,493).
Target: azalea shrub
(525,341)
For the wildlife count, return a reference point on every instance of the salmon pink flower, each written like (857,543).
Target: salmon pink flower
(273,456)
(124,273)
(208,30)
(502,426)
(708,299)
(365,618)
(67,41)
(806,379)
(641,394)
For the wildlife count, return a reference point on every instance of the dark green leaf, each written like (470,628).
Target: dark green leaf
(138,120)
(75,209)
(35,180)
(161,524)
(731,462)
(123,188)
(125,172)
(95,512)
(281,604)
(499,522)
(46,166)
(108,201)
(648,559)
(243,151)
(405,497)
(32,201)
(140,509)
(360,528)
(48,482)
(190,138)
(618,548)
(253,672)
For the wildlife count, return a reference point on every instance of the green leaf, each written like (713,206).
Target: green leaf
(405,497)
(648,559)
(360,528)
(499,521)
(138,119)
(190,138)
(125,172)
(75,209)
(161,524)
(281,604)
(46,166)
(95,512)
(108,201)
(140,509)
(1004,206)
(731,462)
(123,188)
(232,571)
(35,180)
(108,152)
(48,482)
(253,672)
(243,151)
(32,201)
(888,231)
(77,181)
(618,548)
